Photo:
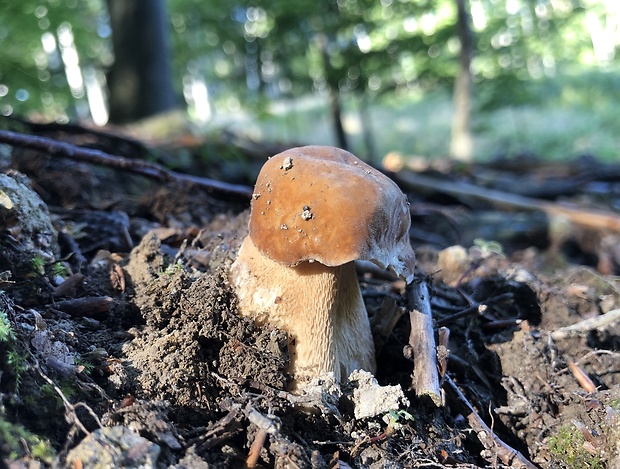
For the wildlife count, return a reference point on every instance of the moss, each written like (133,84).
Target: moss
(12,439)
(567,446)
(6,330)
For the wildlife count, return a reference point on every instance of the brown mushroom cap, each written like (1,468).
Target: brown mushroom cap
(323,204)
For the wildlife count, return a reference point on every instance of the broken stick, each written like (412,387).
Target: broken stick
(422,342)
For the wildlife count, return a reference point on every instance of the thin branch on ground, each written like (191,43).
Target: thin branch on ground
(491,442)
(218,431)
(597,219)
(587,325)
(144,168)
(70,414)
(266,426)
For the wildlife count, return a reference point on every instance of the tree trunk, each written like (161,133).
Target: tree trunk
(140,80)
(335,105)
(368,131)
(461,141)
(336,109)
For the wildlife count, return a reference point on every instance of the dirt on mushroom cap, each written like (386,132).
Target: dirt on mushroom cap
(324,204)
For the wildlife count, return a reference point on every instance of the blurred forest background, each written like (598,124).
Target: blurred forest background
(464,78)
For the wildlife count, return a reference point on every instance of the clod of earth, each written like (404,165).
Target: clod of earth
(336,210)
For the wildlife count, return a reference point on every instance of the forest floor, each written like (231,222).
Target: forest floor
(121,346)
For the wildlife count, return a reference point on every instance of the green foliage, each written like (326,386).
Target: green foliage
(59,269)
(417,123)
(16,442)
(267,49)
(395,418)
(87,366)
(6,330)
(484,248)
(33,79)
(18,364)
(38,265)
(528,54)
(172,269)
(49,395)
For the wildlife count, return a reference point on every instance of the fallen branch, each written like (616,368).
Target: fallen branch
(144,168)
(422,342)
(587,218)
(492,443)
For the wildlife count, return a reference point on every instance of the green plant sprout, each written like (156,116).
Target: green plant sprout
(171,269)
(486,248)
(87,367)
(15,437)
(17,362)
(394,418)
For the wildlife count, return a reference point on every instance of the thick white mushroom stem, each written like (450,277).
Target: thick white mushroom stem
(320,307)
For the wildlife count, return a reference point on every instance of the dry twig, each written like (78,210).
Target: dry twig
(70,414)
(218,431)
(582,378)
(422,342)
(266,425)
(587,325)
(492,443)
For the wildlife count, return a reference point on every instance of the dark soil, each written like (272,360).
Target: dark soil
(120,344)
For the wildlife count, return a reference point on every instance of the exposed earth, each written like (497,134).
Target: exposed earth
(121,346)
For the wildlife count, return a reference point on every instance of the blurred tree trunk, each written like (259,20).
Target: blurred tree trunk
(368,130)
(336,109)
(461,141)
(335,104)
(140,80)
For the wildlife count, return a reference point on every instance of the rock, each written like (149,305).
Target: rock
(370,399)
(452,263)
(26,231)
(116,446)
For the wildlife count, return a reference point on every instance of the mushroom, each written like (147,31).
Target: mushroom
(316,210)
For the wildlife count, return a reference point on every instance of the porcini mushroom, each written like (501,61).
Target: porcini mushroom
(316,210)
